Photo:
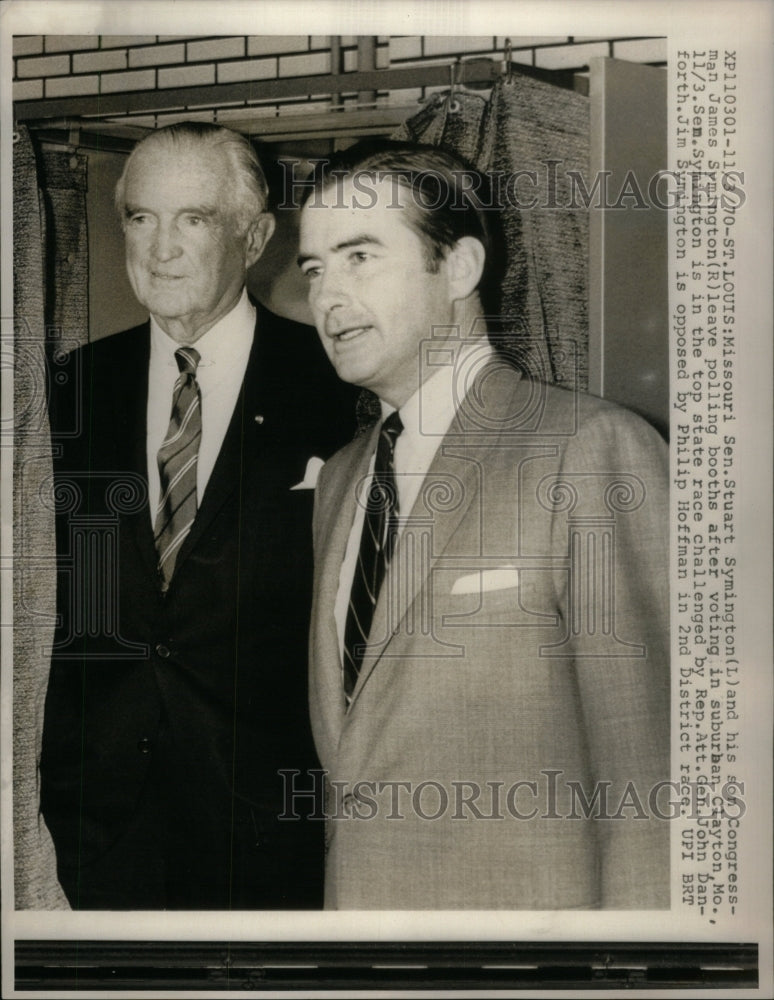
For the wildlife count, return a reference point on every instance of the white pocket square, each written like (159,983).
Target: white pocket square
(484,580)
(309,481)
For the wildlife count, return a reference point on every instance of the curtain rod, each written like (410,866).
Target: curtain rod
(473,71)
(95,135)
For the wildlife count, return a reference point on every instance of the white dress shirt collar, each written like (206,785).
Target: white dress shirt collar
(225,343)
(427,415)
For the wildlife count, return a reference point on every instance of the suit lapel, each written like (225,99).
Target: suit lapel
(412,562)
(133,390)
(421,543)
(335,526)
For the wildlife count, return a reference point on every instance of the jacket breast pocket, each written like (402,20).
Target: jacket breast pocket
(503,597)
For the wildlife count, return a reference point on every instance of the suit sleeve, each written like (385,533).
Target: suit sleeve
(623,680)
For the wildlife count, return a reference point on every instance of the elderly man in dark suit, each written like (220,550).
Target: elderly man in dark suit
(489,650)
(177,693)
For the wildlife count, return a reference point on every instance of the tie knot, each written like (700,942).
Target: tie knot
(187,359)
(392,427)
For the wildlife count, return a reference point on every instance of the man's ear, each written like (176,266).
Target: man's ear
(465,265)
(258,235)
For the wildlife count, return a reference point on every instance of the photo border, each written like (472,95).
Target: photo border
(614,934)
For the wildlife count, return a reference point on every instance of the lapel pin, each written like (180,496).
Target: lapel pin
(259,418)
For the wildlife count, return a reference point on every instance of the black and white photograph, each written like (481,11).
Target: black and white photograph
(386,508)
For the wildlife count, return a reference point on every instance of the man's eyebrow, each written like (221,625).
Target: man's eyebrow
(363,239)
(207,211)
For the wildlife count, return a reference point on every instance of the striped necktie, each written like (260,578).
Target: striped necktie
(377,542)
(177,459)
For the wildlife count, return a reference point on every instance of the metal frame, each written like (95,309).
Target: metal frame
(69,112)
(253,92)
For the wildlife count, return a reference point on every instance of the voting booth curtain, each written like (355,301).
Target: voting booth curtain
(50,266)
(526,127)
(533,136)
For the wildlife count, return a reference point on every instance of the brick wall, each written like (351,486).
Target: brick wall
(54,66)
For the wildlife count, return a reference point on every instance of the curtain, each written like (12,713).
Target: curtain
(62,178)
(50,262)
(528,125)
(34,575)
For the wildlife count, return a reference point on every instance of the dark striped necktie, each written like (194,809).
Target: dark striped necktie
(377,542)
(177,460)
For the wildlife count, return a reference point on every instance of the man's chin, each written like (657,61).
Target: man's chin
(169,307)
(360,375)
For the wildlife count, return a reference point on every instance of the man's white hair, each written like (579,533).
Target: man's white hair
(247,196)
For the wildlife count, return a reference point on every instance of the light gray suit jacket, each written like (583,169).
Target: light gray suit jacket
(517,667)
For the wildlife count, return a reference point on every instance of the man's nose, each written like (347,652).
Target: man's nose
(330,291)
(166,243)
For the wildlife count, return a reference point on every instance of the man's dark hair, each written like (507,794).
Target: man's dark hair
(449,199)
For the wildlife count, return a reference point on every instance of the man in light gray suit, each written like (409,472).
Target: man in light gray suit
(489,646)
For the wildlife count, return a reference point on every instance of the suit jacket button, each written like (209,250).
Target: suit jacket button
(162,651)
(144,745)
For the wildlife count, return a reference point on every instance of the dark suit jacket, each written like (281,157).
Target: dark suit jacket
(516,687)
(169,719)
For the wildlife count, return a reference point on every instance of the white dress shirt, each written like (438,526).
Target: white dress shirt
(224,350)
(426,417)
